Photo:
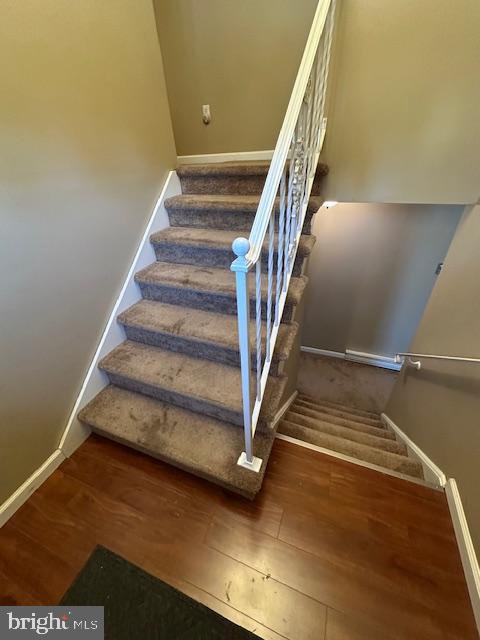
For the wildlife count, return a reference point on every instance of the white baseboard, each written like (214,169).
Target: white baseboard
(465,546)
(283,409)
(355,461)
(21,495)
(385,362)
(226,157)
(432,473)
(75,432)
(372,359)
(323,352)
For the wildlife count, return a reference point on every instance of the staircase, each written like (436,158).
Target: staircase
(352,432)
(175,389)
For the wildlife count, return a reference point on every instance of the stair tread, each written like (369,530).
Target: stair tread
(241,168)
(196,443)
(198,325)
(224,202)
(340,406)
(208,279)
(342,414)
(324,426)
(385,459)
(312,414)
(201,238)
(197,381)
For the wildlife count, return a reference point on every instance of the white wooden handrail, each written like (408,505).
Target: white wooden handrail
(290,176)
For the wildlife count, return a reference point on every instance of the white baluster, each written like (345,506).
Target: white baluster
(241,247)
(281,232)
(271,239)
(258,293)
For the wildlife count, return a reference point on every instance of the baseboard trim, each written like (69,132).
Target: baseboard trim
(373,360)
(75,432)
(31,484)
(211,158)
(355,461)
(283,409)
(323,352)
(465,546)
(432,473)
(370,359)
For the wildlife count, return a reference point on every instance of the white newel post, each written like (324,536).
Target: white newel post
(240,247)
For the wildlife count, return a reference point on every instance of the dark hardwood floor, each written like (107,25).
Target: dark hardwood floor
(327,551)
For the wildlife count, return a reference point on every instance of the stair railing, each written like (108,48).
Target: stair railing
(287,187)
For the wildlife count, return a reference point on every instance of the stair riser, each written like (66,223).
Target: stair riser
(167,395)
(224,220)
(361,413)
(384,444)
(211,257)
(231,185)
(339,417)
(309,419)
(173,462)
(219,303)
(400,464)
(205,350)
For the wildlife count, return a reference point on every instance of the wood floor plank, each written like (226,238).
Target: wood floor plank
(321,534)
(338,585)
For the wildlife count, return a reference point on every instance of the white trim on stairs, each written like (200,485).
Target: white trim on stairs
(211,158)
(465,546)
(372,359)
(432,473)
(283,409)
(24,491)
(75,432)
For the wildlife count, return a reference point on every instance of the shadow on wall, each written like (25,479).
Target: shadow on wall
(355,385)
(371,273)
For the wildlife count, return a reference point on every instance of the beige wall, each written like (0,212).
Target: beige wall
(86,145)
(371,273)
(239,57)
(439,406)
(403,122)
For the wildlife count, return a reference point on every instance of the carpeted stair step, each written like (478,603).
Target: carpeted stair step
(203,334)
(228,212)
(342,407)
(341,414)
(385,459)
(379,432)
(323,426)
(210,289)
(213,247)
(195,443)
(196,384)
(235,178)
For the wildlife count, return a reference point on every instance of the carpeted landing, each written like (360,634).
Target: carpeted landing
(352,432)
(175,390)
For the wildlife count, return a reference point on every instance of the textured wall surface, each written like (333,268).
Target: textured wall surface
(439,406)
(371,272)
(86,146)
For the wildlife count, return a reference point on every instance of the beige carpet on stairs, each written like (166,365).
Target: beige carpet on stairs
(355,433)
(175,390)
